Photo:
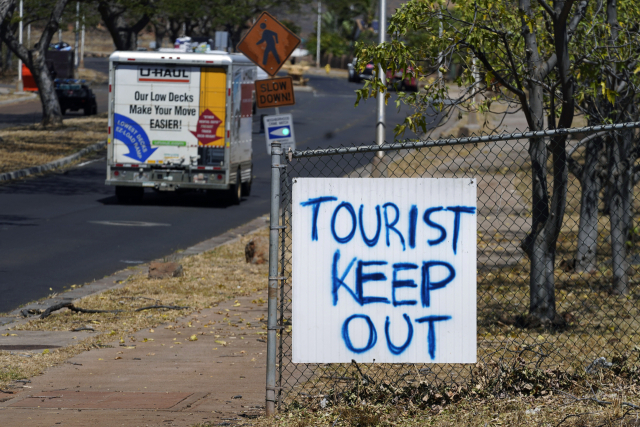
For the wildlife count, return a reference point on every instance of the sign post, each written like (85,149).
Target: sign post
(268,43)
(384,270)
(279,128)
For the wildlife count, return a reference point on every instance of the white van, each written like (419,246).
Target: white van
(180,121)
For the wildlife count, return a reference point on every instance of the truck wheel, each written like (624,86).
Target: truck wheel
(129,195)
(246,186)
(235,192)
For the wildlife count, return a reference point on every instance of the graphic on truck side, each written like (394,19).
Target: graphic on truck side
(163,113)
(207,127)
(134,137)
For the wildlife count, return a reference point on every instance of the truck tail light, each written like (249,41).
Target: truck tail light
(228,133)
(116,173)
(219,176)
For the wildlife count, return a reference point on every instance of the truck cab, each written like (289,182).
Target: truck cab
(180,121)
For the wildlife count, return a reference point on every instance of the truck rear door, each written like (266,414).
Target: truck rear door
(161,115)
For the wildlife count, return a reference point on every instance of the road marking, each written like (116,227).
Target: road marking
(90,161)
(131,223)
(126,261)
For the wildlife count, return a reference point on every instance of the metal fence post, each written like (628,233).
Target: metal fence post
(272,327)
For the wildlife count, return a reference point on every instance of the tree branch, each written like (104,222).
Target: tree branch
(547,8)
(565,10)
(481,56)
(585,140)
(546,68)
(142,22)
(52,26)
(72,307)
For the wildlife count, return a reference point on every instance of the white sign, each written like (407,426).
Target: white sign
(279,129)
(384,270)
(160,116)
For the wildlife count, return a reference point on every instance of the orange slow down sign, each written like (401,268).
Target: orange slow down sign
(274,92)
(268,43)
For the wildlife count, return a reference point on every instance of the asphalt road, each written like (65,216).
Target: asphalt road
(67,228)
(30,112)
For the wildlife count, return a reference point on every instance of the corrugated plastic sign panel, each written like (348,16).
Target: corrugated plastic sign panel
(384,270)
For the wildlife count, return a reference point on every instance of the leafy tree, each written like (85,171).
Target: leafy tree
(125,19)
(331,43)
(608,92)
(339,26)
(522,49)
(49,13)
(202,18)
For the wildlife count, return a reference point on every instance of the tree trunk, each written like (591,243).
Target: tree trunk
(51,113)
(34,59)
(619,186)
(547,216)
(8,60)
(124,35)
(174,29)
(160,31)
(588,228)
(541,280)
(542,301)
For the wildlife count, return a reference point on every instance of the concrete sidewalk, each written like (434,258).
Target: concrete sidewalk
(158,377)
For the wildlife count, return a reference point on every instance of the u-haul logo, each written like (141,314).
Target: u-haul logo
(164,75)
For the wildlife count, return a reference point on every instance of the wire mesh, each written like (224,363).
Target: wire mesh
(594,318)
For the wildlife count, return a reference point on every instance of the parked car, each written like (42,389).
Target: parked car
(74,95)
(409,84)
(357,76)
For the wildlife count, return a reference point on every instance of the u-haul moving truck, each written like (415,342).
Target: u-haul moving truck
(180,121)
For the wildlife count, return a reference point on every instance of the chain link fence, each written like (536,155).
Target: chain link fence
(593,320)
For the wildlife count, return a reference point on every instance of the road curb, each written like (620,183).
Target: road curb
(52,165)
(119,279)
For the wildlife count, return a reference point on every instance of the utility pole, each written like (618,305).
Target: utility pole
(378,164)
(319,32)
(20,84)
(82,46)
(472,120)
(75,47)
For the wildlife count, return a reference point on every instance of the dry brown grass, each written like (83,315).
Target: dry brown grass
(27,146)
(208,279)
(595,322)
(17,97)
(98,39)
(522,396)
(92,77)
(553,410)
